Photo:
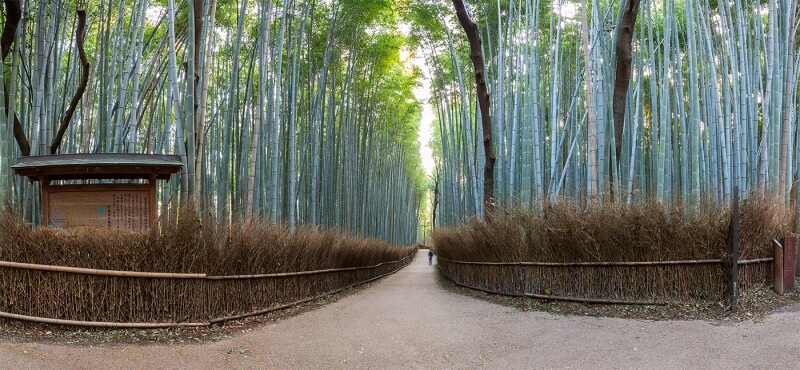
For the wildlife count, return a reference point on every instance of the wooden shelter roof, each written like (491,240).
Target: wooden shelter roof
(97,166)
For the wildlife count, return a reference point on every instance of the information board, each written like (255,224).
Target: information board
(113,209)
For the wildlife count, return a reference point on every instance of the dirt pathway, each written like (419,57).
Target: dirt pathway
(408,321)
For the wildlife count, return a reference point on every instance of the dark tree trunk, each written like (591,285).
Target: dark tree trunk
(13,14)
(198,43)
(623,76)
(79,40)
(435,200)
(476,54)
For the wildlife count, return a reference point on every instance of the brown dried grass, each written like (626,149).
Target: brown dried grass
(192,246)
(614,232)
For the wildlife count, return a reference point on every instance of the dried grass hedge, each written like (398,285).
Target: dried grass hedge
(225,254)
(568,233)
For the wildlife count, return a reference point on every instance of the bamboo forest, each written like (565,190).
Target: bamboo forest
(309,112)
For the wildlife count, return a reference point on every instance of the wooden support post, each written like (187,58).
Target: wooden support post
(777,267)
(45,201)
(789,263)
(152,203)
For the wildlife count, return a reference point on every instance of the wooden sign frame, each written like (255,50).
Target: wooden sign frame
(87,204)
(96,191)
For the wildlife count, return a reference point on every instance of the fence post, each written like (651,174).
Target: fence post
(777,267)
(789,261)
(735,251)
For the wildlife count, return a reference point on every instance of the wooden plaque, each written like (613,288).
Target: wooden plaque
(112,206)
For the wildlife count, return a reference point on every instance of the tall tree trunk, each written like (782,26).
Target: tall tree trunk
(623,77)
(435,204)
(476,54)
(13,15)
(472,187)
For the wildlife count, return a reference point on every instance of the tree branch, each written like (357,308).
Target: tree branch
(73,104)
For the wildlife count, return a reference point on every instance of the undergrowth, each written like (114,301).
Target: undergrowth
(192,245)
(566,231)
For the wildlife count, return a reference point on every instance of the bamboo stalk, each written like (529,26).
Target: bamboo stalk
(593,300)
(98,272)
(98,324)
(641,263)
(559,298)
(301,273)
(757,260)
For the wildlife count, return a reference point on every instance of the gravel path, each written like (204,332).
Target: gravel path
(408,321)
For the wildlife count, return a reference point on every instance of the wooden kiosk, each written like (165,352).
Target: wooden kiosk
(130,206)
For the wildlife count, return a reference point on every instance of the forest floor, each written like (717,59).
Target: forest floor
(416,319)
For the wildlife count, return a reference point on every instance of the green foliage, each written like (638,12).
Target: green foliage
(328,90)
(333,100)
(695,72)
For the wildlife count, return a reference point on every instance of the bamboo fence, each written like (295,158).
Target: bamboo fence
(127,299)
(609,282)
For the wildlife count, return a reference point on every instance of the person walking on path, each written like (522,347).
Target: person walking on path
(430,257)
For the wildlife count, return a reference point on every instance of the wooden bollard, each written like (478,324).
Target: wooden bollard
(789,263)
(783,265)
(777,267)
